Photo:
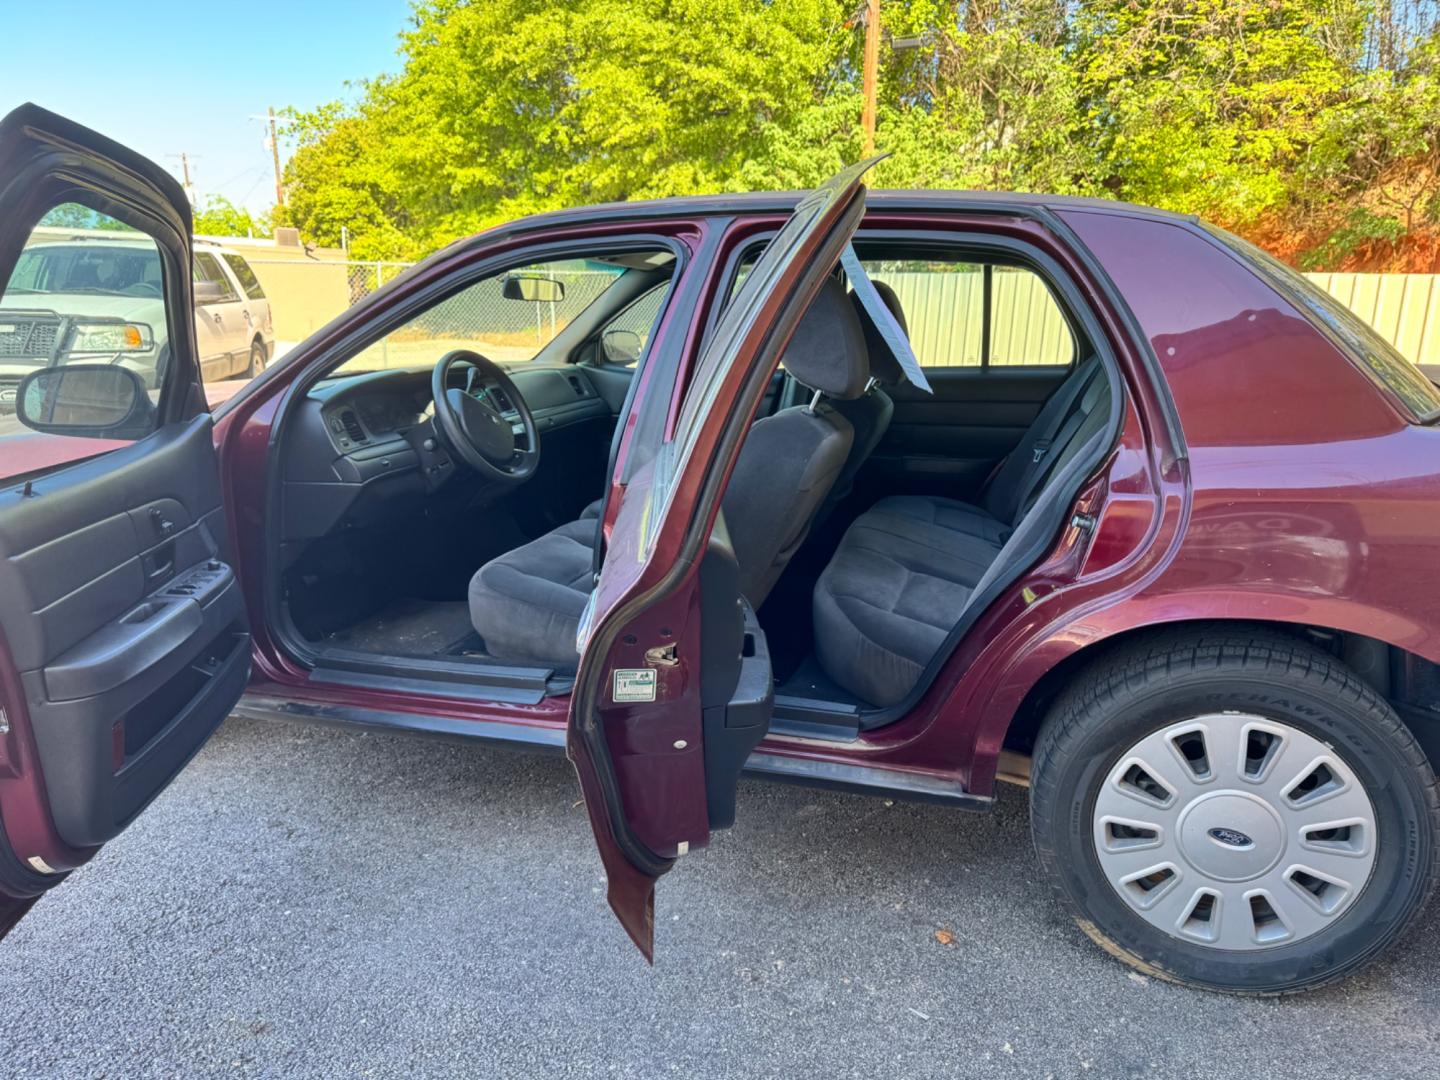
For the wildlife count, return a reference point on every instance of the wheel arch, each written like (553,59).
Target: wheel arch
(1407,680)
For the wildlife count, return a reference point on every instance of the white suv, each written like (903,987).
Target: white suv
(95,298)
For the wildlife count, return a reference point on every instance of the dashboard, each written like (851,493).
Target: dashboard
(355,446)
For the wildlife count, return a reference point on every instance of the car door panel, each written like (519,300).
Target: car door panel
(112,599)
(948,442)
(211,336)
(123,634)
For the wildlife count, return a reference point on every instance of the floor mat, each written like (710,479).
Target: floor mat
(410,627)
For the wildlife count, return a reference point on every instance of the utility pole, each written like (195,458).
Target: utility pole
(870,72)
(275,157)
(185,173)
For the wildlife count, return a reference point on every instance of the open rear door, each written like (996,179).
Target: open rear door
(123,637)
(674,687)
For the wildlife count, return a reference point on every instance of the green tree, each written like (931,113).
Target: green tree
(1259,114)
(218,216)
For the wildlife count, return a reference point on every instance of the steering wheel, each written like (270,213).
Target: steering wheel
(487,425)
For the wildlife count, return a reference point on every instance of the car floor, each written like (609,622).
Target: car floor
(408,626)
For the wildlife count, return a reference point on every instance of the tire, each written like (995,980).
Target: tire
(257,359)
(1256,698)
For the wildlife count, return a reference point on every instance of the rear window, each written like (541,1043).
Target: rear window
(243,274)
(1376,355)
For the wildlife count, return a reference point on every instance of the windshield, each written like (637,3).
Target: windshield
(512,317)
(1376,355)
(101,270)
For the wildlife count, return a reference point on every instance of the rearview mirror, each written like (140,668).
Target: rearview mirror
(537,290)
(207,292)
(621,346)
(98,401)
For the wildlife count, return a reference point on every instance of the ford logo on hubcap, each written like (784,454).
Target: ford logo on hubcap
(1231,838)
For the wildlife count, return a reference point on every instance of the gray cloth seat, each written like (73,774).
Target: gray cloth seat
(526,603)
(906,569)
(869,414)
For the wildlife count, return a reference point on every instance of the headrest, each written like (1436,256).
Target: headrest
(828,350)
(883,364)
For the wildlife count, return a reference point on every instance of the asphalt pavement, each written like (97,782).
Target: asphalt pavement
(314,902)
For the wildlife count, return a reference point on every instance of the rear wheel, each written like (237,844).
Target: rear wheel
(257,359)
(1236,811)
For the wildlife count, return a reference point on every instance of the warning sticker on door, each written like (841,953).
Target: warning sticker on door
(634,684)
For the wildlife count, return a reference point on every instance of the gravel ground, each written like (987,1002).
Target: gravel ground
(311,902)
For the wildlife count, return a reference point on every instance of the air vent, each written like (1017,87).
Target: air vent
(500,399)
(577,385)
(352,426)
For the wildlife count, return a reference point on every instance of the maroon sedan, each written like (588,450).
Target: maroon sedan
(903,492)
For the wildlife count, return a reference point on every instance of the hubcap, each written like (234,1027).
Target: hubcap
(1234,831)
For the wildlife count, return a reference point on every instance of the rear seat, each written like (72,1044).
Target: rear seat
(906,568)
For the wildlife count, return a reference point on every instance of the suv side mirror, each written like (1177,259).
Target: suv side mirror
(537,290)
(621,346)
(207,292)
(97,401)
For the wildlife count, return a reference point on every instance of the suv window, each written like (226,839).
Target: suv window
(85,298)
(243,274)
(207,268)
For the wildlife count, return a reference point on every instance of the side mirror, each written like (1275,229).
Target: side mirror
(207,292)
(621,346)
(97,401)
(537,290)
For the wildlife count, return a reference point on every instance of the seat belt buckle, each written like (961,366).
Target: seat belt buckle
(1041,449)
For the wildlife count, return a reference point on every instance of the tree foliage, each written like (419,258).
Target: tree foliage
(1318,115)
(218,216)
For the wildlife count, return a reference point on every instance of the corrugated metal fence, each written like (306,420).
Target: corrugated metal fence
(1404,308)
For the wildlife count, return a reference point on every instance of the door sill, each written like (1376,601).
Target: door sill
(861,779)
(865,780)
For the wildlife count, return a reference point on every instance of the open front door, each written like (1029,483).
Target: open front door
(674,687)
(123,638)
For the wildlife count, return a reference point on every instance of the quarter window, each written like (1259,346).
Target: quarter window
(243,274)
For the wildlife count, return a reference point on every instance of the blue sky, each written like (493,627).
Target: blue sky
(163,76)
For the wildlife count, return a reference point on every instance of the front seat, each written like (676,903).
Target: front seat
(870,413)
(526,604)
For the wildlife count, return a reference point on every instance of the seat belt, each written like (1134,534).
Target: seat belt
(1059,405)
